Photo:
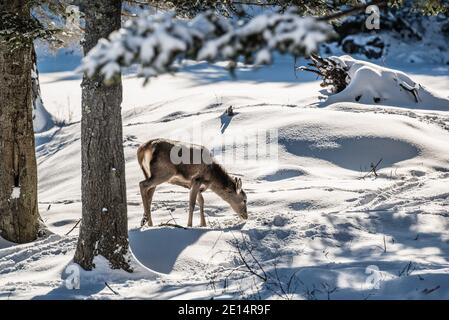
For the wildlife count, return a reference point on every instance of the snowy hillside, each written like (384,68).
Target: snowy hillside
(321,225)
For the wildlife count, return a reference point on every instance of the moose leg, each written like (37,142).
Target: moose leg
(193,194)
(144,193)
(200,201)
(147,188)
(147,215)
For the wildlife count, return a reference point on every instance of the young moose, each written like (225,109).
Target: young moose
(189,166)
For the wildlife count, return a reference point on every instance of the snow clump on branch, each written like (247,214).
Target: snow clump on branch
(156,42)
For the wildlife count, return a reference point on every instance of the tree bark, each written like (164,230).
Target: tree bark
(18,170)
(104,225)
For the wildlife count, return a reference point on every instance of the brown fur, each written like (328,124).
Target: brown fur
(154,159)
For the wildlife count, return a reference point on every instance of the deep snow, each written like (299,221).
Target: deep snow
(369,83)
(315,217)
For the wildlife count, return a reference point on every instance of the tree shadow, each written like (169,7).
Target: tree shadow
(344,275)
(62,293)
(353,153)
(283,70)
(90,283)
(225,120)
(158,248)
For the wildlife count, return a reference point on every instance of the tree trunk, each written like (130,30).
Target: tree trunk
(18,172)
(104,226)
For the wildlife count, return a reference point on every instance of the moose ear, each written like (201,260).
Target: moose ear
(238,184)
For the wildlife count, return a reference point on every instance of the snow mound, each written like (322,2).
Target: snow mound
(42,119)
(369,83)
(177,251)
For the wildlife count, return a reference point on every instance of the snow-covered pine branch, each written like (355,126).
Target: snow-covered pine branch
(156,42)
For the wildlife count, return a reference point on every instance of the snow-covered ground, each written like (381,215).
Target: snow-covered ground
(320,226)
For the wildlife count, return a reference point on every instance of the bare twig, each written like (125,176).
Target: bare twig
(172,225)
(255,260)
(427,291)
(373,169)
(141,3)
(290,281)
(76,224)
(250,265)
(249,268)
(279,280)
(407,270)
(310,70)
(173,218)
(412,91)
(113,291)
(328,289)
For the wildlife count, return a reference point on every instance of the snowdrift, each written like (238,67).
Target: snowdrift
(42,119)
(312,211)
(369,83)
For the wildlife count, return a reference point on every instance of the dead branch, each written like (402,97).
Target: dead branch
(273,283)
(310,70)
(76,224)
(167,224)
(427,291)
(279,280)
(412,91)
(333,75)
(373,169)
(290,280)
(249,268)
(113,291)
(407,270)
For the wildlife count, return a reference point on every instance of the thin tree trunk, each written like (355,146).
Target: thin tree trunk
(18,172)
(104,226)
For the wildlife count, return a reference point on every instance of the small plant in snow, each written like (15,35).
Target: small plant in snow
(254,275)
(230,111)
